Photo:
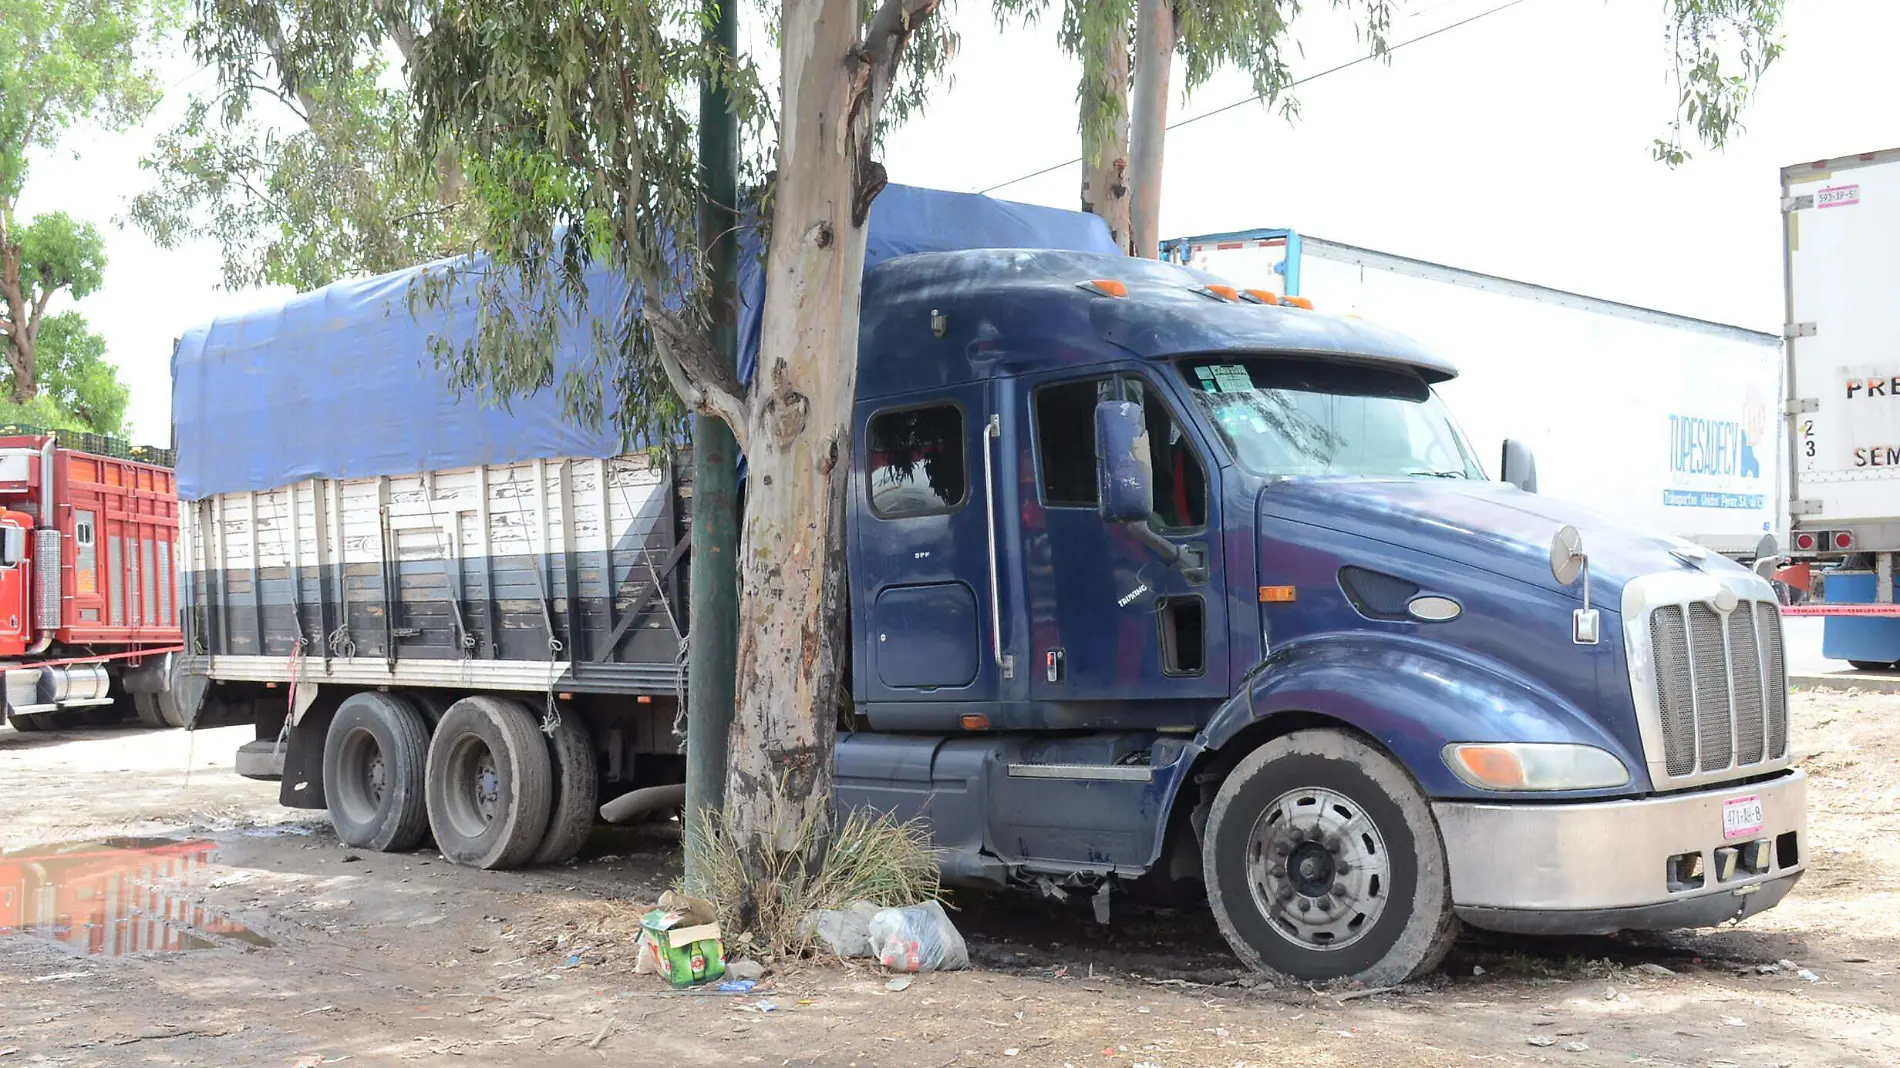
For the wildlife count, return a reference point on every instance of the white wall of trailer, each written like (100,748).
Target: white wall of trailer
(1657,420)
(470,526)
(1843,240)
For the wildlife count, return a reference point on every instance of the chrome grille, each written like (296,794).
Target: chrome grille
(1720,692)
(1708,664)
(1671,645)
(1750,724)
(1768,627)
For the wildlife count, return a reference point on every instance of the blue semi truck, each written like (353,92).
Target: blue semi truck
(1158,587)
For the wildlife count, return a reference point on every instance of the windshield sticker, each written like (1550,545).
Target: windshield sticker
(1230,377)
(1206,375)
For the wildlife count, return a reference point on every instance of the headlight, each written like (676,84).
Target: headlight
(1534,766)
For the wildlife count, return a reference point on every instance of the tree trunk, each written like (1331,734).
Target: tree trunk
(797,435)
(1104,99)
(21,324)
(1154,58)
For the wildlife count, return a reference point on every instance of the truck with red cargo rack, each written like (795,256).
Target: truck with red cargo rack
(88,583)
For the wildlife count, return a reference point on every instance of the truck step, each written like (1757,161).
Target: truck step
(1084,772)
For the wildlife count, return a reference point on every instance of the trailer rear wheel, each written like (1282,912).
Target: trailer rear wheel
(145,706)
(158,709)
(490,783)
(1323,861)
(374,760)
(576,790)
(1869,665)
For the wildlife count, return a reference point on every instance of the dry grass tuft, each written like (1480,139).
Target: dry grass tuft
(870,858)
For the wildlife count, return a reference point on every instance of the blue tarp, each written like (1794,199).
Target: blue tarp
(340,382)
(907,219)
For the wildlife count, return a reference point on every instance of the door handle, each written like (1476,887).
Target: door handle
(992,431)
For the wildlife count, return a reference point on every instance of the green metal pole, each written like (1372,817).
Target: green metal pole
(713,611)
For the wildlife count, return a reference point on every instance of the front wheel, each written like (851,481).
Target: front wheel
(1323,861)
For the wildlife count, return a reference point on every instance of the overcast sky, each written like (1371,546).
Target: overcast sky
(1516,145)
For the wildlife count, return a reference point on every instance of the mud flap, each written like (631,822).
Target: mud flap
(302,784)
(186,678)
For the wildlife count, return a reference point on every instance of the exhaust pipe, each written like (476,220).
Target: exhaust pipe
(46,483)
(47,522)
(631,806)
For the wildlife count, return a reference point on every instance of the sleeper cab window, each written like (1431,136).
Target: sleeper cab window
(915,461)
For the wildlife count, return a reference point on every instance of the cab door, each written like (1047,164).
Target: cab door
(16,584)
(1118,636)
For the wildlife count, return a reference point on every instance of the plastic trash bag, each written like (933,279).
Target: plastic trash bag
(918,938)
(845,932)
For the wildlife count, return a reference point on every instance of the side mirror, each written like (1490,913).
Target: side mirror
(1124,479)
(1519,467)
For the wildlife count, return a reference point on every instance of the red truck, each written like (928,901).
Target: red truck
(88,582)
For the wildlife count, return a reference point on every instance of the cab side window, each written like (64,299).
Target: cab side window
(1065,446)
(1065,440)
(914,461)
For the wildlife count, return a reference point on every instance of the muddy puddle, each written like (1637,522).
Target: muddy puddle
(114,897)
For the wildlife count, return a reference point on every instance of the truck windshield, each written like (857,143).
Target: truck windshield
(1292,416)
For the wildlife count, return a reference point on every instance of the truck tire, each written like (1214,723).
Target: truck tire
(1323,861)
(375,756)
(576,790)
(145,706)
(29,724)
(158,709)
(1869,665)
(490,783)
(433,704)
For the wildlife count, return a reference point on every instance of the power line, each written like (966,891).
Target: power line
(1296,82)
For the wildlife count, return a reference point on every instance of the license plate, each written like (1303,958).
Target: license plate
(1742,817)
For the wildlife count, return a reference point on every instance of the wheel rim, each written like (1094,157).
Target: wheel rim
(363,776)
(473,786)
(1318,869)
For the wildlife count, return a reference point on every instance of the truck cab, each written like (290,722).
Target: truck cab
(88,620)
(1160,586)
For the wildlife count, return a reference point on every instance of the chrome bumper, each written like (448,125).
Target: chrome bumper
(1611,865)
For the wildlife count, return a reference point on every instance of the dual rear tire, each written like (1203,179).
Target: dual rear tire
(478,775)
(157,709)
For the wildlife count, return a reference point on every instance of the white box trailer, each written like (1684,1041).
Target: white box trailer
(1660,420)
(1841,258)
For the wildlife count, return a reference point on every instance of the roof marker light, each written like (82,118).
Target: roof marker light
(1298,302)
(1106,287)
(1261,296)
(1227,293)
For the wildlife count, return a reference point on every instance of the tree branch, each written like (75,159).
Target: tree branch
(877,60)
(292,80)
(890,28)
(402,29)
(694,368)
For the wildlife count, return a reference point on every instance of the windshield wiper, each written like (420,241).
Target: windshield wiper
(1424,472)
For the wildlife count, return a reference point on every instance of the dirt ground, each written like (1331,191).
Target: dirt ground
(210,927)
